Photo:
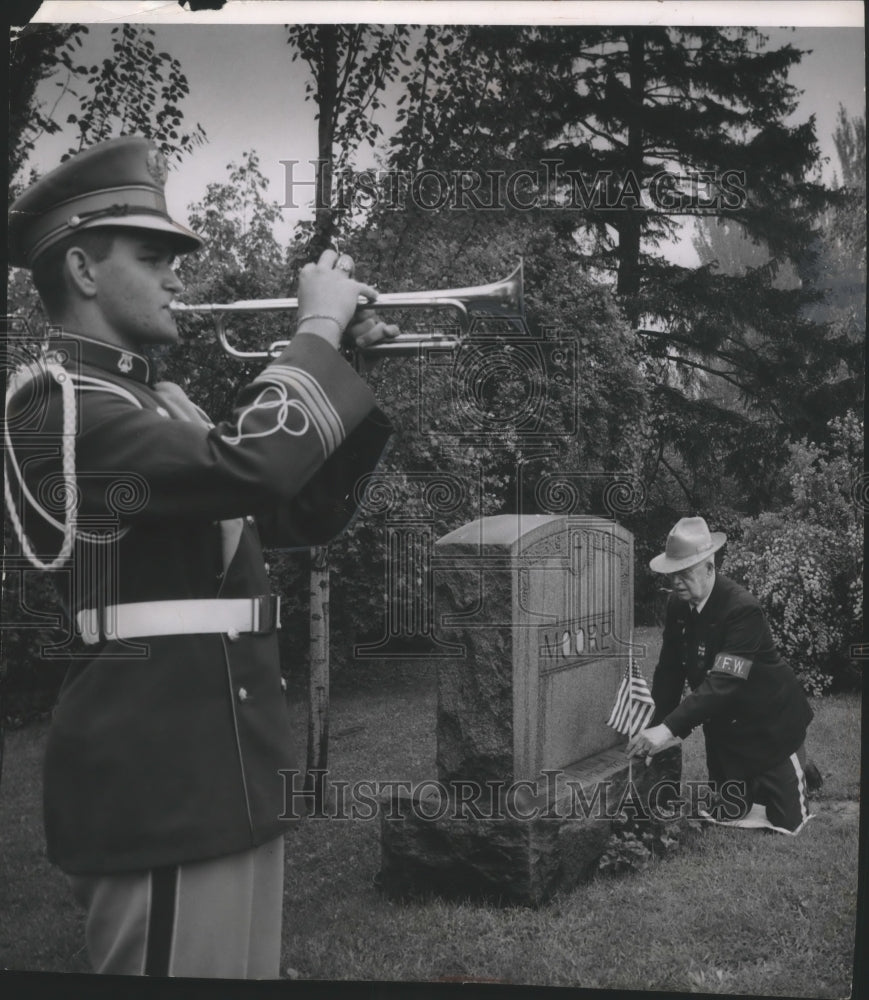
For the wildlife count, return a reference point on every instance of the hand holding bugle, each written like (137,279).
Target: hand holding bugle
(507,293)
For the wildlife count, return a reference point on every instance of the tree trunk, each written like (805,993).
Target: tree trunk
(324,228)
(630,227)
(318,684)
(327,89)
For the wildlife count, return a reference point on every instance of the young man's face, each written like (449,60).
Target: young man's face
(135,285)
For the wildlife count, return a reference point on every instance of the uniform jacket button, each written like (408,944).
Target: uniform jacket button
(233,635)
(250,519)
(283,684)
(242,694)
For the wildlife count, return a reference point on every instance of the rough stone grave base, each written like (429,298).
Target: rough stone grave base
(459,855)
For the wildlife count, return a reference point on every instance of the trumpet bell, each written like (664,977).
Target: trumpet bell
(507,293)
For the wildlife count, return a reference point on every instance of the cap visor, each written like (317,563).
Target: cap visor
(185,240)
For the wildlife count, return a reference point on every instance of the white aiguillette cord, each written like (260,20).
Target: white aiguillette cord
(70,498)
(181,407)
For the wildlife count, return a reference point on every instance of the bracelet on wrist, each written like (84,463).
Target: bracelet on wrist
(333,319)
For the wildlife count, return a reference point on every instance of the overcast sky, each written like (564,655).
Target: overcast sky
(248,94)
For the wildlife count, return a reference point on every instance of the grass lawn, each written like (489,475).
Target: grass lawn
(733,912)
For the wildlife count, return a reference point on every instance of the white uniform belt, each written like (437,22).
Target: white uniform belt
(231,616)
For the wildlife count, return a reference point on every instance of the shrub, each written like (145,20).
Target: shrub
(804,562)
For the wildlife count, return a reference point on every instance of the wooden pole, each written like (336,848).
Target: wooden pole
(318,684)
(324,226)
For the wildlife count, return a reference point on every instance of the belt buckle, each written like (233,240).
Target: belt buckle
(265,614)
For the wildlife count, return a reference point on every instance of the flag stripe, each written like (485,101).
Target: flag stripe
(634,705)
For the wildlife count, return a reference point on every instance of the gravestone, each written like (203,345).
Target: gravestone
(542,608)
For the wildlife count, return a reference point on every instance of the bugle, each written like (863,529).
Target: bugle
(506,295)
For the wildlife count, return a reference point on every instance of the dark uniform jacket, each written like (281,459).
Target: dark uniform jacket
(168,749)
(752,707)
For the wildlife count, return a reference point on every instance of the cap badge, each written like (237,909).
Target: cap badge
(125,363)
(155,161)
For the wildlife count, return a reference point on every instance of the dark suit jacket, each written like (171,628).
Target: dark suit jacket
(752,707)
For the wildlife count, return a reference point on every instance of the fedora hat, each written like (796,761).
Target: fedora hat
(689,543)
(115,183)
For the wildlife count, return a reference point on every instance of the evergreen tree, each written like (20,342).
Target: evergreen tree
(621,130)
(834,268)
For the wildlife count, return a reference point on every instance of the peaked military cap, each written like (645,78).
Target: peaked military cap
(115,183)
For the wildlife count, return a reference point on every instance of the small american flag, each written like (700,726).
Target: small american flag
(634,705)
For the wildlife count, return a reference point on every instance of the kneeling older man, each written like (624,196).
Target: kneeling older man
(753,709)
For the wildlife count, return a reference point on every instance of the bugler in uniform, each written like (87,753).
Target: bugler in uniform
(166,745)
